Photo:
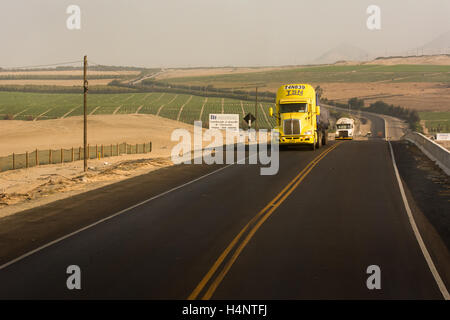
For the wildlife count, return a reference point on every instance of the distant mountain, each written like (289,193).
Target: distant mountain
(343,52)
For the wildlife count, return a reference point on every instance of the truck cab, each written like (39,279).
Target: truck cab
(298,116)
(345,128)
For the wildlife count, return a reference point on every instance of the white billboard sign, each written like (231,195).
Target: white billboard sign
(442,136)
(224,121)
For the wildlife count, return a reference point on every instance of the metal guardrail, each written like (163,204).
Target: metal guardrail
(431,149)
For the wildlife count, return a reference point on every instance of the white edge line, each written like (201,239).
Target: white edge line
(112,216)
(115,214)
(419,239)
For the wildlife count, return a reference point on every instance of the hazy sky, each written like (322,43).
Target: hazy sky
(170,33)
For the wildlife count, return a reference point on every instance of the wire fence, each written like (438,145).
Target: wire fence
(54,156)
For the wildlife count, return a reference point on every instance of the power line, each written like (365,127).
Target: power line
(46,65)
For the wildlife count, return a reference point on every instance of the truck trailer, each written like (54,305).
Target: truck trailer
(345,128)
(299,118)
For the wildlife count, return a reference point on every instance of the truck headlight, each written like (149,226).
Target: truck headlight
(309,132)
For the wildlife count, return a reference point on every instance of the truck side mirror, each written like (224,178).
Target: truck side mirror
(318,110)
(271,111)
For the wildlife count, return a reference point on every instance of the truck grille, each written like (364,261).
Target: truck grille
(343,134)
(291,126)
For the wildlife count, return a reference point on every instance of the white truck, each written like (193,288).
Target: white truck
(345,129)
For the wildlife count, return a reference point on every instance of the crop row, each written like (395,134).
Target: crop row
(182,107)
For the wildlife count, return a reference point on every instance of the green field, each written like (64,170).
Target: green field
(436,121)
(333,73)
(42,106)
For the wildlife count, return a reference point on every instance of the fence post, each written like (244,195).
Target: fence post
(150,146)
(62,155)
(79,153)
(14,161)
(143,148)
(111,151)
(136,148)
(37,157)
(117,145)
(89,152)
(72,155)
(49,156)
(96,151)
(103,155)
(26,160)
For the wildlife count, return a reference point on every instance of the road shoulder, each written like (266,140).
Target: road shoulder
(30,229)
(427,190)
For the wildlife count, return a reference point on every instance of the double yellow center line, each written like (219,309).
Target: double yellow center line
(215,276)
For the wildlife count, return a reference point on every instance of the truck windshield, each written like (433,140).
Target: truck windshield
(344,126)
(293,107)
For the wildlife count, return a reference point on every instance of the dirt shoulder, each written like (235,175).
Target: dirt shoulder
(27,188)
(24,189)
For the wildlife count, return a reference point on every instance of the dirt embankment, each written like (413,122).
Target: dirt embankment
(19,136)
(441,60)
(25,188)
(445,144)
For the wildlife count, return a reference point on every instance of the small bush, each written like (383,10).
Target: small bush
(8,117)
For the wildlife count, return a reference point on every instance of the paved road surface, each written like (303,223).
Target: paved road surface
(333,217)
(395,128)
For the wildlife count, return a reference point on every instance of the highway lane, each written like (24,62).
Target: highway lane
(378,125)
(344,215)
(390,127)
(347,216)
(396,127)
(159,249)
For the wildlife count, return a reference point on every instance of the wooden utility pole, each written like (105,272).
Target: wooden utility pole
(256,109)
(85,86)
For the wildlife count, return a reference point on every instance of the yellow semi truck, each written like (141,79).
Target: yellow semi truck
(299,118)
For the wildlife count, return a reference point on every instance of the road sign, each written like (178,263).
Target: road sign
(224,121)
(442,136)
(249,118)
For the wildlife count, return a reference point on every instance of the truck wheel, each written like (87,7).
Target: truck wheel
(313,146)
(319,141)
(325,139)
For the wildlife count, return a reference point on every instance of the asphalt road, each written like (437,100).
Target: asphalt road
(390,127)
(309,232)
